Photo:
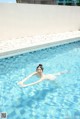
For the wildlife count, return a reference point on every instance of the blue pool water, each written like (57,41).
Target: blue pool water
(59,99)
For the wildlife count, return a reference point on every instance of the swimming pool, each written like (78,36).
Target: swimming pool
(59,99)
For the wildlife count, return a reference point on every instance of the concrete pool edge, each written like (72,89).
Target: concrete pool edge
(38,45)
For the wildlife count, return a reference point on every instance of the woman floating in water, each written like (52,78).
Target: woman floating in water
(39,73)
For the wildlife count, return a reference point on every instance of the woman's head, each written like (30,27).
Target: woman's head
(39,68)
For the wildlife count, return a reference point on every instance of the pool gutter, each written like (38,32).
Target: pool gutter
(17,46)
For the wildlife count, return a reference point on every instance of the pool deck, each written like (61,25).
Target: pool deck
(20,45)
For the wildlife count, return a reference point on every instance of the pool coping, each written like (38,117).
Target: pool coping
(21,45)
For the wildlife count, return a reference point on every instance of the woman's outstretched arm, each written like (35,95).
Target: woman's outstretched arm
(59,73)
(21,82)
(24,85)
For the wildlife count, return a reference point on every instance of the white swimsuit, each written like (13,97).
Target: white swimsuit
(50,77)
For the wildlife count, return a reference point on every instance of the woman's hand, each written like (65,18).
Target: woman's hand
(22,84)
(63,72)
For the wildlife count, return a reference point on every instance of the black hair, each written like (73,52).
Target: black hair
(41,66)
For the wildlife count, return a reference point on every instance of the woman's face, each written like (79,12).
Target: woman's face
(39,70)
